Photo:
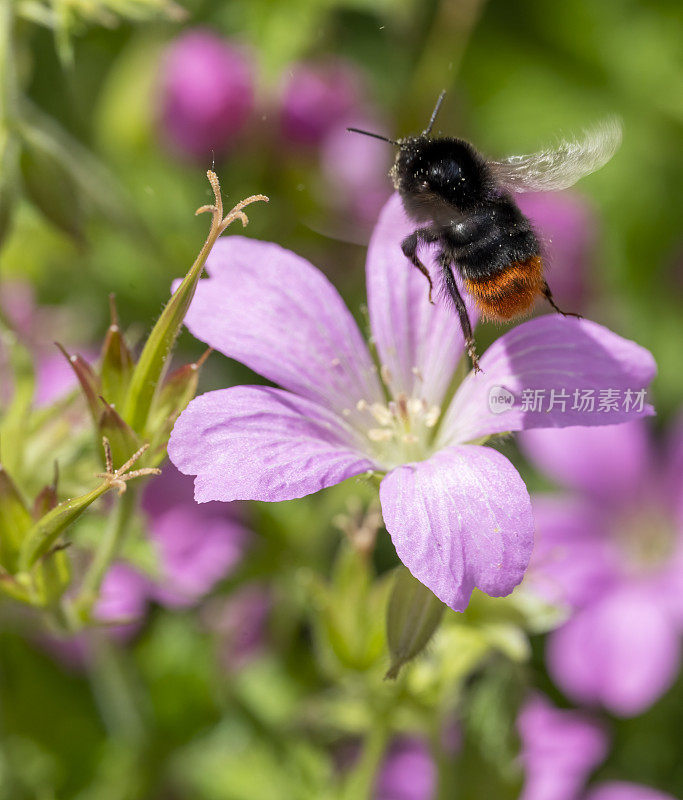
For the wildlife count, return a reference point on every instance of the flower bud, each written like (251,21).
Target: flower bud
(122,438)
(46,499)
(207,94)
(116,362)
(413,615)
(175,393)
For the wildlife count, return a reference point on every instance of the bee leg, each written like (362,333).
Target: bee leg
(549,297)
(460,307)
(409,247)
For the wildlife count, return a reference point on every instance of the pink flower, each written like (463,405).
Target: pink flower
(613,552)
(207,94)
(197,545)
(356,168)
(620,790)
(458,512)
(316,97)
(408,772)
(37,327)
(560,749)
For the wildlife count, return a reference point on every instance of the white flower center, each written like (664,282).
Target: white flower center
(646,538)
(399,431)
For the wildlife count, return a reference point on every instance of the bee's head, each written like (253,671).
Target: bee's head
(430,172)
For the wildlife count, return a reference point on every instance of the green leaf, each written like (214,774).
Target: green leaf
(43,534)
(15,521)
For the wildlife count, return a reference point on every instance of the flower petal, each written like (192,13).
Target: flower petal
(560,749)
(259,443)
(621,790)
(459,520)
(419,343)
(551,354)
(275,312)
(621,652)
(197,548)
(610,463)
(574,560)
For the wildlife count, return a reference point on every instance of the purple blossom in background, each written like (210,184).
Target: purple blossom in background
(357,167)
(317,97)
(206,94)
(240,621)
(36,327)
(197,545)
(408,772)
(123,599)
(612,550)
(458,513)
(559,750)
(620,790)
(566,228)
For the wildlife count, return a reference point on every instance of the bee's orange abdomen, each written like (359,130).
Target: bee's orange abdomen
(510,293)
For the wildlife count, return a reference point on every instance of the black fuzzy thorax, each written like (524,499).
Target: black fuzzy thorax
(447,184)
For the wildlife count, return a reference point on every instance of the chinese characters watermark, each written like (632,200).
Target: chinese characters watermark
(560,400)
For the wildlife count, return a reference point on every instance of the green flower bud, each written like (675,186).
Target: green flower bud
(413,615)
(46,499)
(350,610)
(122,438)
(117,362)
(175,393)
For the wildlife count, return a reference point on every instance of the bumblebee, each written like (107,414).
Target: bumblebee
(464,204)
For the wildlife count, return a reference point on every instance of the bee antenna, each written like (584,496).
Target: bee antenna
(432,120)
(374,135)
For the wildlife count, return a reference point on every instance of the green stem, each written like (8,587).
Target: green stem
(8,85)
(155,354)
(109,548)
(360,784)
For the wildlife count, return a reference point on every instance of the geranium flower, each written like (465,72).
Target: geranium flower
(206,94)
(613,552)
(458,512)
(316,96)
(560,749)
(197,546)
(408,772)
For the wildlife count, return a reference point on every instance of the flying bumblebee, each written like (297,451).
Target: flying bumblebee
(464,204)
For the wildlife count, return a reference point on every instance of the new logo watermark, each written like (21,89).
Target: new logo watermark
(500,399)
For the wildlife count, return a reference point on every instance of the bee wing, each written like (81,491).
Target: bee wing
(563,166)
